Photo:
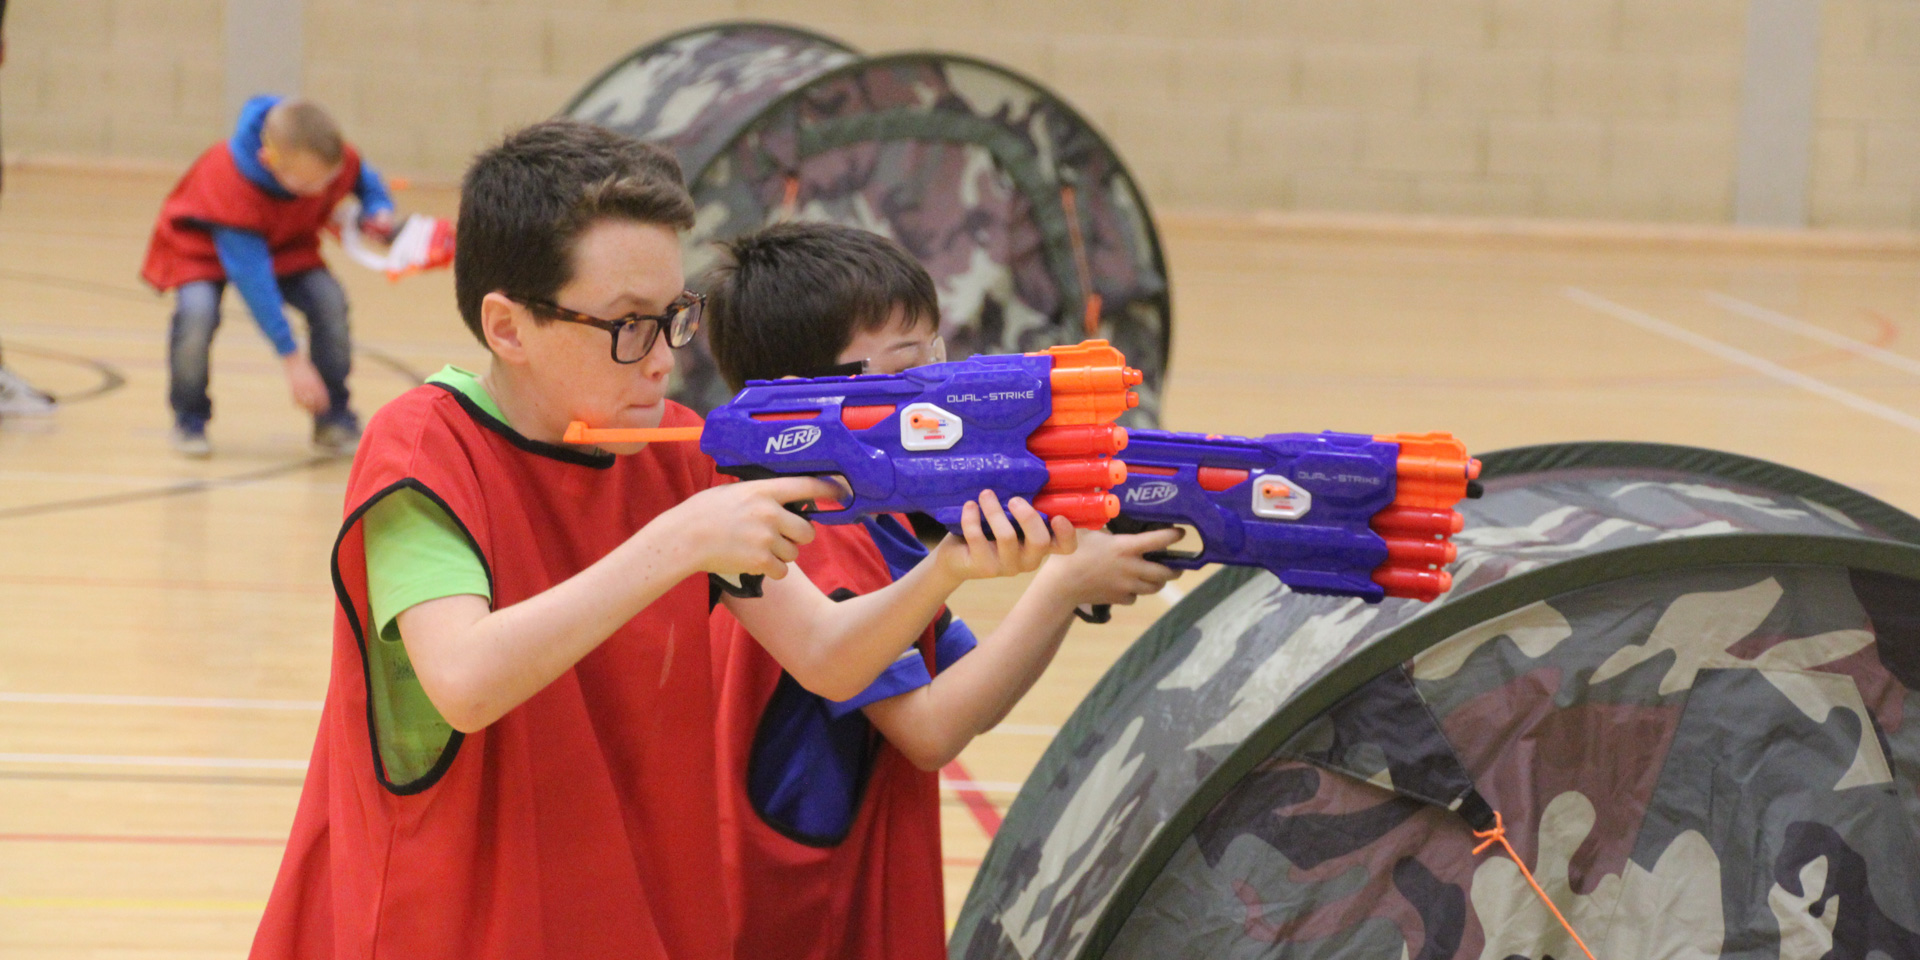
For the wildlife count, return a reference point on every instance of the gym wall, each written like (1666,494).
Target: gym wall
(1604,109)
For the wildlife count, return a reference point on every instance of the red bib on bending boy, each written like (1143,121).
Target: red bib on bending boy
(214,193)
(857,876)
(581,823)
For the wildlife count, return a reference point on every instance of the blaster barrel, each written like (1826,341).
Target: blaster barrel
(1098,473)
(1403,552)
(1088,511)
(1079,440)
(1417,522)
(1423,585)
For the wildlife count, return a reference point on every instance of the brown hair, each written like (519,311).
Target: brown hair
(302,126)
(525,202)
(786,299)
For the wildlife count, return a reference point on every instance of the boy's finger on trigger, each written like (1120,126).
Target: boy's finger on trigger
(793,528)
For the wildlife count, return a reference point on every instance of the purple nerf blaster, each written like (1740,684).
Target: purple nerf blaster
(928,440)
(1330,513)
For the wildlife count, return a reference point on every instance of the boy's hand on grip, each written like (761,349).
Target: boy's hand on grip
(744,528)
(1010,551)
(1111,568)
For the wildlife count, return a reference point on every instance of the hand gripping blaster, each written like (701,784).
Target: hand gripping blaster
(1038,426)
(1332,513)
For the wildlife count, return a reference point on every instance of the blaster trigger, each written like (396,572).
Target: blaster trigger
(1475,490)
(746,587)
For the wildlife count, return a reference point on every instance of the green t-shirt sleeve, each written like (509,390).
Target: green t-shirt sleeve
(416,553)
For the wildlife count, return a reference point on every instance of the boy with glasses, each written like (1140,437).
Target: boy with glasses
(515,758)
(830,813)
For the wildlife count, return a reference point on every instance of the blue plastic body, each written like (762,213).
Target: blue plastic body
(999,401)
(1329,549)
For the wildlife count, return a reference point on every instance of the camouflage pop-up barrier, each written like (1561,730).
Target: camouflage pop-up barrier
(1688,683)
(1032,228)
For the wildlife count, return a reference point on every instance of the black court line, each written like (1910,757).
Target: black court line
(83,286)
(111,378)
(185,778)
(171,490)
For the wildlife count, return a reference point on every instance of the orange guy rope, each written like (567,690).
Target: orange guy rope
(1080,262)
(1498,835)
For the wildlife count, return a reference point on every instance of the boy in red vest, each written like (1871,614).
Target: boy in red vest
(830,811)
(516,756)
(249,212)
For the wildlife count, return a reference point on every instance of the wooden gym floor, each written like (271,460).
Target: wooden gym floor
(164,624)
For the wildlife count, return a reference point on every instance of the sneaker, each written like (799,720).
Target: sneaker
(19,398)
(340,436)
(190,442)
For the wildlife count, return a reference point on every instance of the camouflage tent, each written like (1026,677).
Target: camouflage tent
(1681,678)
(1032,228)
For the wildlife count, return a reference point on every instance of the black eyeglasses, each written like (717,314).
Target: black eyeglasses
(634,334)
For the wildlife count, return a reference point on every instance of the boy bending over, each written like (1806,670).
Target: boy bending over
(249,212)
(515,758)
(830,805)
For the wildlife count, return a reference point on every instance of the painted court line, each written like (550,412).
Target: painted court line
(1026,730)
(1793,378)
(116,700)
(95,759)
(131,838)
(958,781)
(955,777)
(1792,324)
(131,903)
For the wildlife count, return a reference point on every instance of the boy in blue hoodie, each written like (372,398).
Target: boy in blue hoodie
(250,211)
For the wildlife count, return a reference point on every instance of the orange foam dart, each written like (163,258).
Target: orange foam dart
(1078,440)
(1094,379)
(1408,552)
(1100,407)
(1086,510)
(1096,473)
(578,432)
(1423,585)
(1417,522)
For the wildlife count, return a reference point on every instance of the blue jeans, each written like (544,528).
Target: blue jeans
(196,315)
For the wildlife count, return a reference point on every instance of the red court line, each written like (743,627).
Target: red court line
(137,838)
(983,810)
(41,580)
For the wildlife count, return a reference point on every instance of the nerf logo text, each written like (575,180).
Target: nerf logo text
(793,439)
(1002,395)
(1155,492)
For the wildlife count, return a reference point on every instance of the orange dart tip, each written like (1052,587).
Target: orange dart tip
(578,432)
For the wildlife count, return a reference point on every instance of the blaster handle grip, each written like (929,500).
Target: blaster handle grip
(750,585)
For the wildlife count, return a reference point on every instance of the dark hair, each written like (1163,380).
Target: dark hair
(525,202)
(302,126)
(786,299)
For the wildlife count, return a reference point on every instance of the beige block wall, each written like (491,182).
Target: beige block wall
(1866,169)
(1613,109)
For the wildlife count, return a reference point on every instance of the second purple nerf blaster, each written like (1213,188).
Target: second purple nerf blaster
(1331,513)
